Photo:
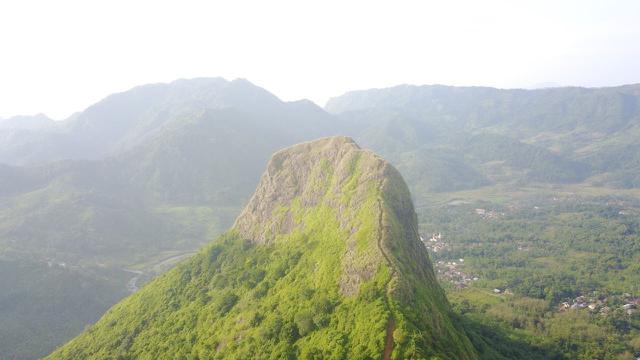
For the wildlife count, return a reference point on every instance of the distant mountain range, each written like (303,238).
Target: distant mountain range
(35,122)
(167,167)
(552,135)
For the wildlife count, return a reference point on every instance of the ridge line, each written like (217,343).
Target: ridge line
(388,347)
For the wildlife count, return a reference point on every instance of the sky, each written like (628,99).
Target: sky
(59,57)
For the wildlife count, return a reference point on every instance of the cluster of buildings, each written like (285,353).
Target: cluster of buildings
(603,306)
(502,292)
(434,243)
(488,214)
(449,271)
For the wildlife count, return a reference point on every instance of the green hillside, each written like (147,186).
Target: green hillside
(507,160)
(45,304)
(323,262)
(438,170)
(558,135)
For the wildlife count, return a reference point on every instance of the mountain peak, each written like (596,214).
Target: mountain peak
(22,122)
(308,173)
(324,262)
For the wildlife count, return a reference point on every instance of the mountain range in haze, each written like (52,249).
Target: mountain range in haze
(160,170)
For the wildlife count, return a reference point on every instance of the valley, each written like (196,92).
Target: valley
(335,180)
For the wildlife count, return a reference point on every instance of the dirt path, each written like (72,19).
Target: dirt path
(388,341)
(391,325)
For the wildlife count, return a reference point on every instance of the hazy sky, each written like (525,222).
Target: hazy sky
(59,57)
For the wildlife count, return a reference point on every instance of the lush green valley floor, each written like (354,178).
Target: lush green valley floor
(555,269)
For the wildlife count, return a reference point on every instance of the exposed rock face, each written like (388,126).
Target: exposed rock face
(309,173)
(334,172)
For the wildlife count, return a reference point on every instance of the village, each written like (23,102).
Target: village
(488,214)
(434,243)
(448,271)
(603,305)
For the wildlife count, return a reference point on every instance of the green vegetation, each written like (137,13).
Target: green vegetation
(517,161)
(44,305)
(518,137)
(543,251)
(156,170)
(289,287)
(148,176)
(439,170)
